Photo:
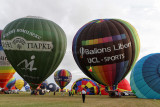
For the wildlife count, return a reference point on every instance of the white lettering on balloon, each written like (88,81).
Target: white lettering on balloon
(95,51)
(19,43)
(21,31)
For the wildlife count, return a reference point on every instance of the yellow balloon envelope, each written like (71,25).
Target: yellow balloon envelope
(19,84)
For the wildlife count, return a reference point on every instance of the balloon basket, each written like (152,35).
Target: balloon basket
(114,94)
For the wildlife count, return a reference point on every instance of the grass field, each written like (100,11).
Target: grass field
(26,100)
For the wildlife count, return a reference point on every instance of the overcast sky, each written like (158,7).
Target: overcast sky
(144,15)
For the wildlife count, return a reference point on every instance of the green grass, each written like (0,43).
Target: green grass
(26,100)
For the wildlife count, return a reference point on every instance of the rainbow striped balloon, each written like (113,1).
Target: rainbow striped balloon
(11,83)
(62,78)
(6,70)
(106,50)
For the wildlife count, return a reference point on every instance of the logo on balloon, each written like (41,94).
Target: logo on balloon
(50,86)
(28,65)
(19,43)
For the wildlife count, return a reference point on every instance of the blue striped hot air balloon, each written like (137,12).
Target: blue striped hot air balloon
(145,77)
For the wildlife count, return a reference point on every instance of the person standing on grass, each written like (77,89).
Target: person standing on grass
(83,94)
(100,93)
(72,93)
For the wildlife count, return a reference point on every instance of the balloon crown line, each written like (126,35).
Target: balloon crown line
(37,17)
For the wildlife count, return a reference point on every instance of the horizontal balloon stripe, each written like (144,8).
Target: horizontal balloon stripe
(3,80)
(121,90)
(103,40)
(6,75)
(7,71)
(6,67)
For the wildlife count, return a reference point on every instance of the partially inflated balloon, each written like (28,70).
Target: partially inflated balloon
(52,87)
(6,69)
(90,86)
(11,83)
(19,84)
(123,86)
(106,50)
(35,47)
(62,78)
(27,88)
(145,77)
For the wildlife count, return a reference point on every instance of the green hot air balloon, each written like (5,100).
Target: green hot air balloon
(35,47)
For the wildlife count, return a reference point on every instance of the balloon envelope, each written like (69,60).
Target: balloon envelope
(124,86)
(6,69)
(35,47)
(19,84)
(90,86)
(145,77)
(106,49)
(11,83)
(52,87)
(27,88)
(62,78)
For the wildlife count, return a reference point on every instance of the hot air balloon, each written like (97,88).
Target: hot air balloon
(90,86)
(122,86)
(35,47)
(106,50)
(27,88)
(145,77)
(19,84)
(11,83)
(62,78)
(52,87)
(6,69)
